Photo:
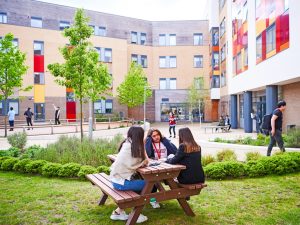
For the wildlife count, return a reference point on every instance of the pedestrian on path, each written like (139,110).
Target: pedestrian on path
(276,128)
(11,118)
(172,124)
(28,114)
(57,114)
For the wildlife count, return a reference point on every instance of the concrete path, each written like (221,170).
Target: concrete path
(200,136)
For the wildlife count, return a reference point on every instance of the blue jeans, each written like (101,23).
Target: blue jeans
(130,185)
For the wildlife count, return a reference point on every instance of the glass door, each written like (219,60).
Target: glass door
(39,111)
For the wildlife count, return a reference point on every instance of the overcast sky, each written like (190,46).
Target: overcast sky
(153,10)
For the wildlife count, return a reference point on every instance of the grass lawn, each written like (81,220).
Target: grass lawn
(26,199)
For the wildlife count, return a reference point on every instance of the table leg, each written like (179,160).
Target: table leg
(134,215)
(182,201)
(103,199)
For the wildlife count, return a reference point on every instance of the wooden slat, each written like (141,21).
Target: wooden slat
(193,186)
(133,194)
(117,198)
(144,170)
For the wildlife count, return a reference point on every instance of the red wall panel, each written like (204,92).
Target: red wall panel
(38,63)
(71,110)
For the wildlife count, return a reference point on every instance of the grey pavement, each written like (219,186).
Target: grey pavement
(208,148)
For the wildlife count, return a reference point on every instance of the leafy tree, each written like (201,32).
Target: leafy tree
(131,91)
(197,94)
(81,69)
(12,69)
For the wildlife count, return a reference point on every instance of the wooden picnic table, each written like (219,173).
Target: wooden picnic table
(153,175)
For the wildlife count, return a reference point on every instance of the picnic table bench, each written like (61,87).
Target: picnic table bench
(153,175)
(216,128)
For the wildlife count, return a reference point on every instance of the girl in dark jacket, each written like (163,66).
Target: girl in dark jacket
(189,155)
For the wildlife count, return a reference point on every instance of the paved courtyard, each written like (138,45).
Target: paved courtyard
(41,137)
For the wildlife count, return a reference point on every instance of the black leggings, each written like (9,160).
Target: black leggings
(170,130)
(29,122)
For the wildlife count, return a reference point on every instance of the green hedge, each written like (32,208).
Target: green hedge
(8,164)
(84,170)
(20,166)
(69,170)
(277,164)
(51,169)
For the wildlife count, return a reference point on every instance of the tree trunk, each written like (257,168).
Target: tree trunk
(81,127)
(5,118)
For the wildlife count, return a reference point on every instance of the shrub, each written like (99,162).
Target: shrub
(103,169)
(20,166)
(3,158)
(3,153)
(293,138)
(31,151)
(51,169)
(8,164)
(226,155)
(89,152)
(84,170)
(14,152)
(253,156)
(35,166)
(18,140)
(207,159)
(69,170)
(217,139)
(221,170)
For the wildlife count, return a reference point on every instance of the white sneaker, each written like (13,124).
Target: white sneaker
(155,205)
(142,218)
(121,216)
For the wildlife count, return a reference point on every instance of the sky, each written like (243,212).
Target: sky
(153,10)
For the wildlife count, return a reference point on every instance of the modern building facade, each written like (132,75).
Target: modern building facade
(258,48)
(174,55)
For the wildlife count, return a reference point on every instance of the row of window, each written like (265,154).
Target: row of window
(270,41)
(138,38)
(140,60)
(10,103)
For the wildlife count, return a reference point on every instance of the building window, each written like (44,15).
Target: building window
(10,103)
(215,82)
(167,83)
(144,62)
(38,47)
(239,62)
(198,61)
(162,62)
(134,38)
(103,106)
(165,100)
(15,42)
(199,83)
(39,111)
(162,39)
(215,60)
(245,58)
(223,79)
(222,27)
(259,47)
(198,39)
(3,17)
(172,39)
(173,62)
(271,38)
(223,53)
(98,50)
(100,31)
(39,78)
(215,37)
(36,22)
(107,55)
(134,58)
(63,25)
(143,38)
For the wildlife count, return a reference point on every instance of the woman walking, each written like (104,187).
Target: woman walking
(172,124)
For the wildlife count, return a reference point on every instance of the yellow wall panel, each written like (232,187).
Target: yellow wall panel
(39,93)
(260,26)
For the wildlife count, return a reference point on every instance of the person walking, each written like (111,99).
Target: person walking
(28,114)
(172,124)
(57,114)
(276,128)
(11,118)
(227,122)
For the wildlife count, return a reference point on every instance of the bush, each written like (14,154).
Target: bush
(20,166)
(8,164)
(14,152)
(51,169)
(84,170)
(221,170)
(3,158)
(18,140)
(293,138)
(3,153)
(207,159)
(89,152)
(103,169)
(31,151)
(69,170)
(226,155)
(253,156)
(35,166)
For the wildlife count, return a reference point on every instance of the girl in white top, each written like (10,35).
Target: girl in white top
(131,156)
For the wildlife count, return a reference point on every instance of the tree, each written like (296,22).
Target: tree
(12,68)
(81,69)
(197,95)
(131,91)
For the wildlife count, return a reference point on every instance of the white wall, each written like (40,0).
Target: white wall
(277,69)
(213,13)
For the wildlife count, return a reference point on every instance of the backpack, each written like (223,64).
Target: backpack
(266,122)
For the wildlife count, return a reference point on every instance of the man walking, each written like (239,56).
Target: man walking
(276,128)
(11,118)
(57,114)
(28,114)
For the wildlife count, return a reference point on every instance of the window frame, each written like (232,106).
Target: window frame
(36,19)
